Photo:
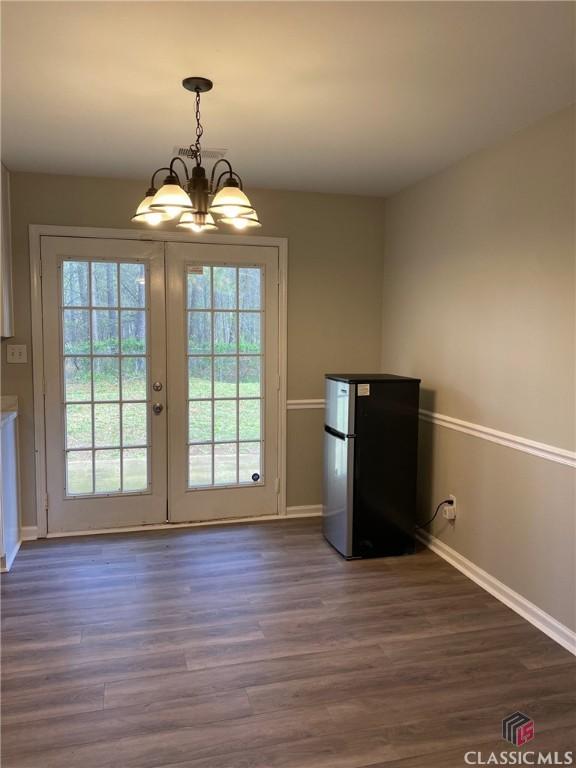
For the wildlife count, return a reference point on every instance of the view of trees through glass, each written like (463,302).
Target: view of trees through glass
(104,343)
(224,309)
(105,375)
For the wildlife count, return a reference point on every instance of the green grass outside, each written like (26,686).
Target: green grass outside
(133,416)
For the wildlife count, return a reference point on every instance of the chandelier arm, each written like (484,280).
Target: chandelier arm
(228,174)
(153,179)
(216,164)
(239,179)
(183,163)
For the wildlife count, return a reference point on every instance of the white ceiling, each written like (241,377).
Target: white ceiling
(331,96)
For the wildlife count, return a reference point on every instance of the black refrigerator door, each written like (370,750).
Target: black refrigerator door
(385,465)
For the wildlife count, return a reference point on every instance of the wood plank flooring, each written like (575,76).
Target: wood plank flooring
(257,646)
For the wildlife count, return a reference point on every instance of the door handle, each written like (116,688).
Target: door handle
(157,408)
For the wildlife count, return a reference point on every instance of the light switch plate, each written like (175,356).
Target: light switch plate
(16,353)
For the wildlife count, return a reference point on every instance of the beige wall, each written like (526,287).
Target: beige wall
(334,262)
(478,301)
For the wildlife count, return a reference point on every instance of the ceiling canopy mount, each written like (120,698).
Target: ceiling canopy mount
(197,84)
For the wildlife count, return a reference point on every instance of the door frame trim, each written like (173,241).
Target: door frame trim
(37,231)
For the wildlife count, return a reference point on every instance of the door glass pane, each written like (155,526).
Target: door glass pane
(75,283)
(133,332)
(225,333)
(77,379)
(111,382)
(199,465)
(107,471)
(224,287)
(221,378)
(106,425)
(135,469)
(78,426)
(134,427)
(106,378)
(249,462)
(250,331)
(134,378)
(225,463)
(200,421)
(199,377)
(225,375)
(249,415)
(132,285)
(225,420)
(199,332)
(104,284)
(76,331)
(79,472)
(249,379)
(249,288)
(104,331)
(199,288)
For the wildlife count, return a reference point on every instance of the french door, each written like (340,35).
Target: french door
(161,381)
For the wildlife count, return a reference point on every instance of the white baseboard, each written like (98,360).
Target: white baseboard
(29,533)
(311,510)
(291,512)
(9,558)
(562,634)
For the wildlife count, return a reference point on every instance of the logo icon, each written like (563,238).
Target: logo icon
(518,729)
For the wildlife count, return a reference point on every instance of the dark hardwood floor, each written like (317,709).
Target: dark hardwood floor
(257,646)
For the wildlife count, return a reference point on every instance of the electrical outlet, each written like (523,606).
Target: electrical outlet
(449,511)
(16,353)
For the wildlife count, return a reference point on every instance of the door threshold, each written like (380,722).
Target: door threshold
(173,526)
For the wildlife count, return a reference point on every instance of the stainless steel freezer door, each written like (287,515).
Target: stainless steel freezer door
(340,398)
(338,492)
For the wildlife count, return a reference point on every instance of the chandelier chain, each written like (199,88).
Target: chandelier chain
(199,132)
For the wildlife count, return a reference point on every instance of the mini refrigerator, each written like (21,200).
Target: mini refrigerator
(370,462)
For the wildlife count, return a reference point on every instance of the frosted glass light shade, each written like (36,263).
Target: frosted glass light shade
(242,222)
(172,200)
(194,222)
(231,202)
(143,213)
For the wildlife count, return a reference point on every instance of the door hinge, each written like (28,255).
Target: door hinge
(46,503)
(277,485)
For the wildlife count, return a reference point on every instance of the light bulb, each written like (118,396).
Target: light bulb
(231,202)
(146,214)
(172,211)
(171,199)
(153,218)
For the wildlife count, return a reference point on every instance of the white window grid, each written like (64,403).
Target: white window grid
(120,356)
(194,269)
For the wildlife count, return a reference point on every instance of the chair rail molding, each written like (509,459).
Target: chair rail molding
(518,443)
(542,450)
(304,405)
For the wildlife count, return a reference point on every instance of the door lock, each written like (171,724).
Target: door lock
(157,386)
(157,408)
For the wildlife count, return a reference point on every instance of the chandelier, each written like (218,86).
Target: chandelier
(199,204)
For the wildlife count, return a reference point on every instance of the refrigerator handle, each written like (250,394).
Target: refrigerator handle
(335,433)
